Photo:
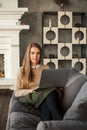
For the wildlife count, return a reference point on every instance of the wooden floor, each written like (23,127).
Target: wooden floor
(5,95)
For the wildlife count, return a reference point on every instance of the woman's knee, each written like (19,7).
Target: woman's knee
(52,96)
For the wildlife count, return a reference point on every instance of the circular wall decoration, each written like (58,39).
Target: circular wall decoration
(78,66)
(79,35)
(64,51)
(65,19)
(50,35)
(51,65)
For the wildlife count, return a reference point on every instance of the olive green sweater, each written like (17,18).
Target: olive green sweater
(36,97)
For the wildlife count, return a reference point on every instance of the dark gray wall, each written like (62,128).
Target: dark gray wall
(34,18)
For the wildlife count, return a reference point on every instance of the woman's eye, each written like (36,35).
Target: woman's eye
(32,53)
(38,53)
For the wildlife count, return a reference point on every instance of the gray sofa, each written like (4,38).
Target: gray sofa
(73,108)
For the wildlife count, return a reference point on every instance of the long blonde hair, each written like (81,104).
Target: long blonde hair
(26,64)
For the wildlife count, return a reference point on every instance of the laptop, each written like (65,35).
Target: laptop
(53,78)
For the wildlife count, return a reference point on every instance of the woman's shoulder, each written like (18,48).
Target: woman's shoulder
(44,66)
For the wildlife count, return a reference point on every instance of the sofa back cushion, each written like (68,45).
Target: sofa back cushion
(78,110)
(62,76)
(73,85)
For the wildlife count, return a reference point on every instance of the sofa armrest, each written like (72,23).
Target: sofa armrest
(16,107)
(23,121)
(62,125)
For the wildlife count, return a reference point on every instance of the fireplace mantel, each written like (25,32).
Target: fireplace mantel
(13,27)
(10,28)
(7,83)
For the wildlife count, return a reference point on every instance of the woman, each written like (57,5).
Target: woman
(46,100)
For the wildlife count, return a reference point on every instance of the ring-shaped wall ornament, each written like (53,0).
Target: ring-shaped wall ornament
(79,35)
(65,19)
(64,51)
(51,65)
(79,66)
(50,35)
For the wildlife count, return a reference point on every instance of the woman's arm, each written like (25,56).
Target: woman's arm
(22,92)
(18,88)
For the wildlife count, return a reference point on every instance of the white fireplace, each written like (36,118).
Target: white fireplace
(9,41)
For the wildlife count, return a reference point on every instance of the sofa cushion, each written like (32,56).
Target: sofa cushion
(73,85)
(78,110)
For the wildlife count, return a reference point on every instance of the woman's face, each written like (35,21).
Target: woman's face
(35,55)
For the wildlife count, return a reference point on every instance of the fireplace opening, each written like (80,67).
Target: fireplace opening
(2,72)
